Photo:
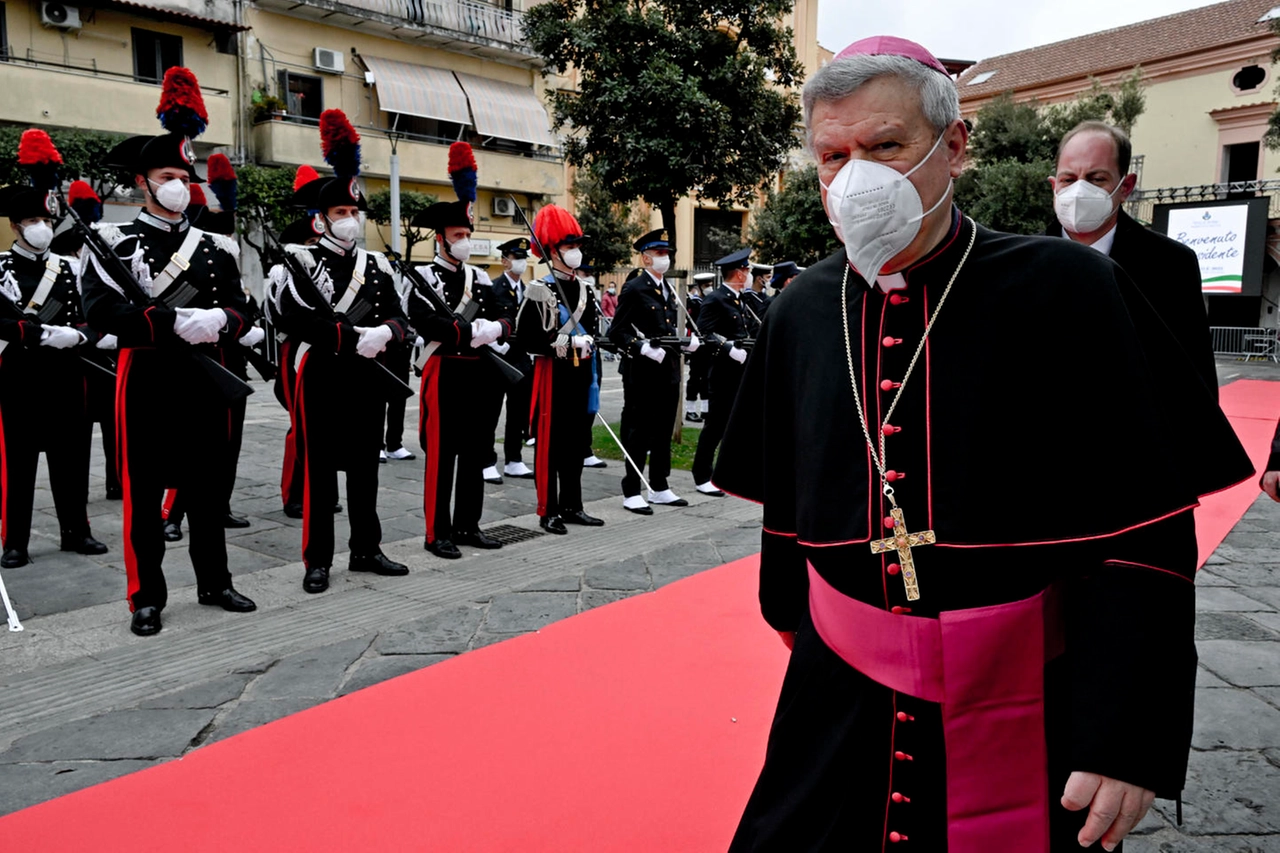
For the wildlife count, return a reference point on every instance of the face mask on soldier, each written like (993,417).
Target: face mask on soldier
(572,258)
(460,250)
(346,229)
(173,195)
(38,236)
(518,266)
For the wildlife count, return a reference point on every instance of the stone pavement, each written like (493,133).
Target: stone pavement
(82,700)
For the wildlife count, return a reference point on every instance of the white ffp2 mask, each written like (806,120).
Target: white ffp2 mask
(572,258)
(1084,207)
(661,263)
(346,229)
(38,236)
(518,266)
(173,195)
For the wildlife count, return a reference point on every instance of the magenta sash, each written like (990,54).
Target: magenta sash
(985,666)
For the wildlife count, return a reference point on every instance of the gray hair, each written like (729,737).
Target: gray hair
(839,79)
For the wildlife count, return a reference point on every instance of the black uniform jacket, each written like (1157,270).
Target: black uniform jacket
(1052,431)
(722,320)
(644,313)
(214,271)
(532,333)
(1168,275)
(453,333)
(20,275)
(755,305)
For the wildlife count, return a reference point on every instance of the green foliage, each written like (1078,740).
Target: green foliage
(411,204)
(1014,150)
(612,226)
(793,225)
(1272,137)
(83,154)
(682,452)
(265,193)
(673,95)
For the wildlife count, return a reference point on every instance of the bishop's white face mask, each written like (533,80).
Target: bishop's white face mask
(519,265)
(460,250)
(38,236)
(345,230)
(1084,207)
(876,211)
(661,263)
(572,258)
(173,195)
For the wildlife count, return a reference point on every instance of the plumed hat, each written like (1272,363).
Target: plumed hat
(554,226)
(85,201)
(340,146)
(40,158)
(183,116)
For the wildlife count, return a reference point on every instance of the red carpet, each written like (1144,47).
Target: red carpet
(1253,407)
(639,726)
(635,727)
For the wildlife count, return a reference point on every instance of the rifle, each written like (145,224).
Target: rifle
(512,374)
(392,386)
(16,313)
(230,386)
(259,358)
(667,342)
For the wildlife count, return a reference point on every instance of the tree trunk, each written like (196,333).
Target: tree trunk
(668,209)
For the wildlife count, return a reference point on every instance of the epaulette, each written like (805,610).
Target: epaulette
(539,291)
(110,233)
(383,263)
(225,243)
(302,254)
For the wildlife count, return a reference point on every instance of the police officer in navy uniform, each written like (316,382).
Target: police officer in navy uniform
(695,389)
(461,393)
(508,291)
(754,301)
(165,398)
(647,309)
(42,379)
(783,273)
(723,321)
(340,398)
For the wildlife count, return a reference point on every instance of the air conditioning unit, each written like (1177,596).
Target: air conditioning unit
(58,15)
(503,206)
(328,60)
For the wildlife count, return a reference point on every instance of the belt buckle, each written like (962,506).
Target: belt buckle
(181,262)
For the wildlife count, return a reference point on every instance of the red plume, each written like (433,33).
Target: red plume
(461,157)
(35,148)
(305,175)
(339,143)
(552,225)
(81,191)
(220,169)
(181,107)
(197,195)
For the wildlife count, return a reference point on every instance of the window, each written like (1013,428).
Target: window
(1240,162)
(715,233)
(303,94)
(1249,78)
(4,35)
(981,78)
(153,54)
(429,128)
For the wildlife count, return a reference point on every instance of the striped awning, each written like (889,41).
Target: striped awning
(506,110)
(418,90)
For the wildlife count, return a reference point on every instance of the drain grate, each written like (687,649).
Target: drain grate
(509,534)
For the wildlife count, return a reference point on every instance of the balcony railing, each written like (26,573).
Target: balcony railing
(1142,202)
(468,20)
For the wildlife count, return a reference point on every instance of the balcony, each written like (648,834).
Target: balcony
(461,26)
(291,143)
(1141,203)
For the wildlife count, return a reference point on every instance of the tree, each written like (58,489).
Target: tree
(613,227)
(793,225)
(1272,137)
(673,96)
(411,204)
(83,155)
(265,195)
(1014,150)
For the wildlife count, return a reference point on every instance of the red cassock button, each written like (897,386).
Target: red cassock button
(898,798)
(902,756)
(899,610)
(903,717)
(890,429)
(899,299)
(888,385)
(894,476)
(895,837)
(893,568)
(891,341)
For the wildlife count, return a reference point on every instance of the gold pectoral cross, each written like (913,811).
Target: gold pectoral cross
(903,542)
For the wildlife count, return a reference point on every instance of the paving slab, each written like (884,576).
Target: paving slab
(314,673)
(29,784)
(1230,719)
(447,632)
(528,611)
(1243,663)
(378,669)
(147,734)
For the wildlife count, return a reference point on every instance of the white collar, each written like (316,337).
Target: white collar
(147,218)
(334,246)
(516,281)
(1104,243)
(442,261)
(890,282)
(656,280)
(28,254)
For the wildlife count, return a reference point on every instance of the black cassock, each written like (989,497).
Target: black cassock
(1052,432)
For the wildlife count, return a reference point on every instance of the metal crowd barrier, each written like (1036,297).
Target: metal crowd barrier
(1245,342)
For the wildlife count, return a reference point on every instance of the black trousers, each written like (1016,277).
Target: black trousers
(695,387)
(397,359)
(516,428)
(724,380)
(163,398)
(101,398)
(558,450)
(458,406)
(42,407)
(649,402)
(339,417)
(292,474)
(175,504)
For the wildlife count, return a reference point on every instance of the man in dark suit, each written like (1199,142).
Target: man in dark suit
(1091,184)
(508,292)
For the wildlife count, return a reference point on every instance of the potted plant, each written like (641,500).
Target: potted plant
(268,108)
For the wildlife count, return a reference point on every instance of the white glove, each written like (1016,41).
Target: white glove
(419,342)
(655,353)
(582,343)
(60,337)
(373,340)
(108,342)
(737,354)
(693,344)
(561,346)
(253,337)
(500,349)
(199,325)
(484,331)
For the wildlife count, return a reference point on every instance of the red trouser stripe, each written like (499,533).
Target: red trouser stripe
(290,437)
(4,484)
(300,421)
(169,496)
(429,429)
(542,455)
(123,366)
